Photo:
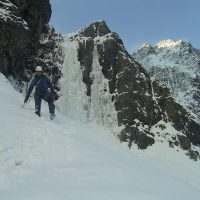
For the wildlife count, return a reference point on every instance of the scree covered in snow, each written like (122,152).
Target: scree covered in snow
(64,159)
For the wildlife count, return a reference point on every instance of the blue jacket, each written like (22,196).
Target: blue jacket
(41,84)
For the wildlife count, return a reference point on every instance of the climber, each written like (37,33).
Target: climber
(43,90)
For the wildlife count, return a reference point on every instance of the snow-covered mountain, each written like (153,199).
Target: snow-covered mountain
(103,84)
(176,65)
(103,90)
(64,159)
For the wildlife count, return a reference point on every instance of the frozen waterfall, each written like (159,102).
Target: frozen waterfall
(97,108)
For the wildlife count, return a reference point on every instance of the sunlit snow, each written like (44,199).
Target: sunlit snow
(65,159)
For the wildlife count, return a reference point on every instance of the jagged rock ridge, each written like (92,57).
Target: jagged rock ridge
(140,104)
(36,42)
(176,65)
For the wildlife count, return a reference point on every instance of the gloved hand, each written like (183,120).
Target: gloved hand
(54,95)
(25,100)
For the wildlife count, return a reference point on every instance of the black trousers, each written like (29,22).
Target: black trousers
(38,100)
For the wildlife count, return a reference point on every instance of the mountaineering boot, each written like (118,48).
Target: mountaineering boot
(52,116)
(37,113)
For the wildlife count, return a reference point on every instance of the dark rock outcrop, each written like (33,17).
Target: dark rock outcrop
(14,39)
(139,103)
(21,24)
(184,142)
(194,155)
(50,54)
(36,13)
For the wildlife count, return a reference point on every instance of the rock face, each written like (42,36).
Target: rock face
(21,24)
(50,54)
(36,13)
(143,108)
(12,48)
(176,65)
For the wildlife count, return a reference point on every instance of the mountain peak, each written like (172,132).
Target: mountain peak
(97,28)
(146,48)
(169,43)
(175,64)
(145,45)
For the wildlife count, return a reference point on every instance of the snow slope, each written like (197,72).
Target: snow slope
(64,159)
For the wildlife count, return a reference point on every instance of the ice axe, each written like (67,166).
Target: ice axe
(25,103)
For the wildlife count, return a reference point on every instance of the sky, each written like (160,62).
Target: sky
(136,21)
